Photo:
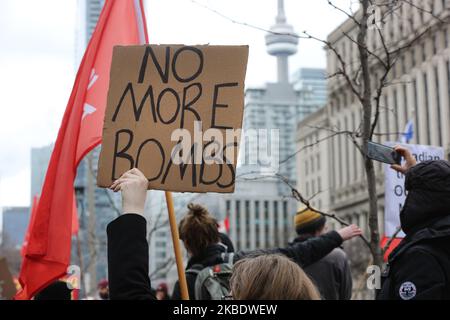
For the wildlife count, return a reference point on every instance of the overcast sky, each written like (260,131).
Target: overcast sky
(37,61)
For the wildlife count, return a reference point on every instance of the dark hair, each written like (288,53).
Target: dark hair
(198,229)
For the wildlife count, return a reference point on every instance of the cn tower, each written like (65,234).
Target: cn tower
(281,42)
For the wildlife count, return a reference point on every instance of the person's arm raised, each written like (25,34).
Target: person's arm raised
(127,242)
(133,185)
(314,249)
(309,251)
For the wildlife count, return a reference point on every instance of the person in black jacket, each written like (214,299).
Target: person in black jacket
(419,268)
(331,274)
(128,248)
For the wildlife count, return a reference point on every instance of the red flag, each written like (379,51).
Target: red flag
(121,22)
(30,223)
(224,226)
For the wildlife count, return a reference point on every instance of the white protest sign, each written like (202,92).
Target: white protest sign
(394,185)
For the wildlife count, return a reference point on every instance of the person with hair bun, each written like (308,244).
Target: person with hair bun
(200,235)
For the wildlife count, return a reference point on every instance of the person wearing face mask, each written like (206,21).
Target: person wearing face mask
(419,268)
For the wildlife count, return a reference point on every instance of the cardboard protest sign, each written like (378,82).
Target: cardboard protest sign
(394,186)
(174,112)
(7,286)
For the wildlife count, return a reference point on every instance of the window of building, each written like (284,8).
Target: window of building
(161,234)
(405,101)
(161,254)
(285,222)
(438,106)
(386,114)
(427,103)
(266,223)
(347,142)
(275,223)
(395,113)
(403,64)
(258,224)
(424,52)
(446,34)
(435,44)
(448,77)
(238,223)
(416,112)
(339,148)
(355,167)
(248,223)
(160,243)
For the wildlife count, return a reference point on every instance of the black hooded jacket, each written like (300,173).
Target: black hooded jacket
(210,257)
(419,268)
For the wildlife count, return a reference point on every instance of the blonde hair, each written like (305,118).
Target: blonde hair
(198,229)
(271,277)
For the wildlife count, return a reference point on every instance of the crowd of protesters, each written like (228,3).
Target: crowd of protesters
(312,267)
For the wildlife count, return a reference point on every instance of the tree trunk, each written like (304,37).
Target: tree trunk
(366,135)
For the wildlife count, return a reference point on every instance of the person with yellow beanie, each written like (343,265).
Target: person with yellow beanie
(331,274)
(308,221)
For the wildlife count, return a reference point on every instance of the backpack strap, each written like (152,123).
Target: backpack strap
(195,269)
(227,257)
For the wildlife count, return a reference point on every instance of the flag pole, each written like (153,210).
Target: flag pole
(176,247)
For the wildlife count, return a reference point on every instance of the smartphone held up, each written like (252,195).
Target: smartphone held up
(382,153)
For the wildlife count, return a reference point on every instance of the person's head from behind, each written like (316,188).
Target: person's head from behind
(309,223)
(162,291)
(57,290)
(103,289)
(198,230)
(271,277)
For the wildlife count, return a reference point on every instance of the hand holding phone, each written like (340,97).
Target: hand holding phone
(382,153)
(410,161)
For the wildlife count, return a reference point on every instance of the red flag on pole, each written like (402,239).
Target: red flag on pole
(30,223)
(121,22)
